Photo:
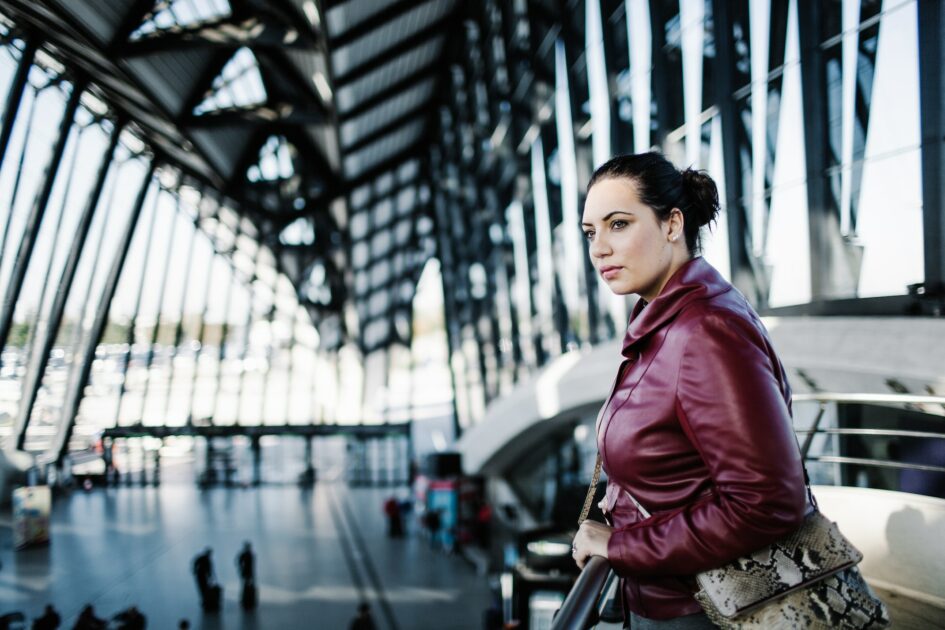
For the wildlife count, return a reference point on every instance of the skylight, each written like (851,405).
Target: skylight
(275,161)
(239,84)
(168,14)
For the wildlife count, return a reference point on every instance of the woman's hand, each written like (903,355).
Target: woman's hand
(591,540)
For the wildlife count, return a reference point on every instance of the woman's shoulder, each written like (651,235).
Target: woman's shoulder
(724,316)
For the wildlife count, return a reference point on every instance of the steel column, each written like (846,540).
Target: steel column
(221,351)
(57,235)
(179,329)
(130,340)
(201,331)
(35,218)
(833,261)
(445,254)
(149,358)
(931,14)
(15,192)
(77,387)
(743,273)
(15,96)
(37,369)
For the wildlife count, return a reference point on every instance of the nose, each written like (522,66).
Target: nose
(598,247)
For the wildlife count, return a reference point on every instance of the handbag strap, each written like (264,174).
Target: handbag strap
(591,491)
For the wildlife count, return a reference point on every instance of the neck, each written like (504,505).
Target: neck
(680,257)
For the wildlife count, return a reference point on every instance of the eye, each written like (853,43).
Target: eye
(618,224)
(589,235)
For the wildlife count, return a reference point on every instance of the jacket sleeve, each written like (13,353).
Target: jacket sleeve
(731,406)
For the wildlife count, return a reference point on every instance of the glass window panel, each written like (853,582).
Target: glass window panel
(380,273)
(359,225)
(382,212)
(406,200)
(378,303)
(403,230)
(360,254)
(380,244)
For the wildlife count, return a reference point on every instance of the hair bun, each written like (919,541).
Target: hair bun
(702,194)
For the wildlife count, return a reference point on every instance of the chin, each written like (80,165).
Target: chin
(621,288)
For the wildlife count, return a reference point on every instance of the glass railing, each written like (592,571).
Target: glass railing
(592,592)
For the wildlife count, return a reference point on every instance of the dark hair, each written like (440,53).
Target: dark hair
(663,187)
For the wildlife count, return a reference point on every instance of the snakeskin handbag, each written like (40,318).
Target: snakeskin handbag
(808,579)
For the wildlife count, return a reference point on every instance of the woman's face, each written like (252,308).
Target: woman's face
(631,249)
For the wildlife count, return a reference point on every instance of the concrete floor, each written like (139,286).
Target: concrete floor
(319,553)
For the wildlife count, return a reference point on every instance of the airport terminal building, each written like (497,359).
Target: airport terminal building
(289,271)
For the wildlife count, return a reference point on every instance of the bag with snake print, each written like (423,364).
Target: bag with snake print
(806,580)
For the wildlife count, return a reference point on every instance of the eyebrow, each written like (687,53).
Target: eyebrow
(610,215)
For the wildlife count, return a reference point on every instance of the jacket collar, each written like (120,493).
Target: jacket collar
(695,280)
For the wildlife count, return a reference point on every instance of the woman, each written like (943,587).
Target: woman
(697,428)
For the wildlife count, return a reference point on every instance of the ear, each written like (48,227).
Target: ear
(675,224)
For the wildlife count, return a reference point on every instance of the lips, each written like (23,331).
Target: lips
(609,271)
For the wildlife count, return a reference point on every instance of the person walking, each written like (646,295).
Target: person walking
(395,524)
(246,564)
(88,620)
(210,592)
(363,620)
(49,620)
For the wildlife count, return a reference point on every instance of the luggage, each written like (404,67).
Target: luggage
(213,598)
(248,598)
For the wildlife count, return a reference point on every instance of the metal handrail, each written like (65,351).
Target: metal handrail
(578,608)
(840,397)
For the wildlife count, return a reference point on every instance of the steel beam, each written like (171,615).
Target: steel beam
(35,218)
(416,78)
(268,114)
(433,32)
(368,26)
(37,369)
(402,120)
(76,389)
(226,33)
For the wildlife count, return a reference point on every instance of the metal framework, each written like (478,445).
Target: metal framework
(389,134)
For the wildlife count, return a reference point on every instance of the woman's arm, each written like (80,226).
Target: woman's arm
(731,406)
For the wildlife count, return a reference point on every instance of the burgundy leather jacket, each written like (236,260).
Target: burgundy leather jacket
(698,429)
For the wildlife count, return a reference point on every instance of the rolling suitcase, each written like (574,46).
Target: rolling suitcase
(248,598)
(213,598)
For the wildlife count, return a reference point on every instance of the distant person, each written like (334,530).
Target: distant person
(433,523)
(130,619)
(88,621)
(395,523)
(14,619)
(245,563)
(484,525)
(50,619)
(363,620)
(183,625)
(206,584)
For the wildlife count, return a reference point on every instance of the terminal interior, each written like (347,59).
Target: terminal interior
(307,274)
